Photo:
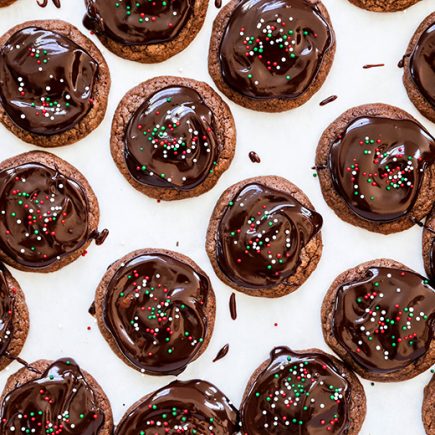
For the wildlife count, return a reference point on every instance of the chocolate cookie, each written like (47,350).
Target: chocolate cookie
(419,68)
(48,212)
(305,392)
(4,3)
(54,83)
(14,318)
(156,309)
(428,410)
(53,397)
(264,237)
(145,31)
(429,245)
(384,5)
(379,317)
(271,55)
(375,168)
(194,407)
(172,137)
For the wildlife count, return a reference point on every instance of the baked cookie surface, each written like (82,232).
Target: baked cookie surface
(14,318)
(145,31)
(196,407)
(378,317)
(375,167)
(172,137)
(50,394)
(54,83)
(264,237)
(271,55)
(305,391)
(419,68)
(428,409)
(48,212)
(429,246)
(156,309)
(384,5)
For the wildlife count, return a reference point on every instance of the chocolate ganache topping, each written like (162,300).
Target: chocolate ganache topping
(58,401)
(422,64)
(377,166)
(43,215)
(170,142)
(261,234)
(274,48)
(46,81)
(298,392)
(385,320)
(155,309)
(7,307)
(138,22)
(191,407)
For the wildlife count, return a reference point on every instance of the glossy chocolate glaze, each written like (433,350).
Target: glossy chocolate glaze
(43,215)
(386,319)
(58,401)
(274,48)
(46,81)
(138,22)
(300,393)
(422,64)
(191,407)
(7,308)
(377,166)
(261,234)
(171,140)
(155,310)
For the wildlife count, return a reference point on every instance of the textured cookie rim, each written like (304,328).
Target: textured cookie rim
(273,104)
(335,201)
(66,169)
(414,93)
(131,102)
(20,321)
(327,311)
(100,294)
(100,91)
(308,261)
(362,4)
(358,407)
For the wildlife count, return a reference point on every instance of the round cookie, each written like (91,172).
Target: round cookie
(428,408)
(172,137)
(337,401)
(48,213)
(48,394)
(263,237)
(419,68)
(384,5)
(378,317)
(54,83)
(375,168)
(429,245)
(14,318)
(156,309)
(276,66)
(145,31)
(196,407)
